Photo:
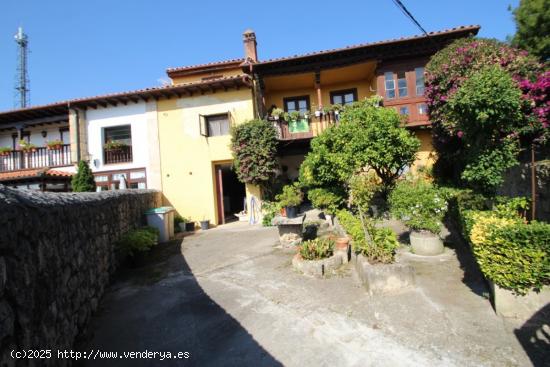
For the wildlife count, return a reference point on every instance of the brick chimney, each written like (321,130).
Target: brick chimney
(249,40)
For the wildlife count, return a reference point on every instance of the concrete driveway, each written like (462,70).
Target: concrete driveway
(229,296)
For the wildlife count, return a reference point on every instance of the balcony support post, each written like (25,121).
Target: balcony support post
(319,100)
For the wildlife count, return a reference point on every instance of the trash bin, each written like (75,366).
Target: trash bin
(162,219)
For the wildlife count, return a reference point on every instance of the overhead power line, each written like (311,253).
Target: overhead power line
(408,14)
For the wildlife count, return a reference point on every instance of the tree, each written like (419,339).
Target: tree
(533,27)
(83,180)
(254,147)
(475,125)
(367,137)
(487,112)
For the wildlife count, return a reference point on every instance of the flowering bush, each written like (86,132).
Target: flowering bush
(254,147)
(419,204)
(475,71)
(537,108)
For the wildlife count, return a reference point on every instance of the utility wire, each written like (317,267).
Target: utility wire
(408,14)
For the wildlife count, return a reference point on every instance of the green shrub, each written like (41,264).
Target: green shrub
(291,196)
(137,240)
(362,189)
(384,245)
(83,180)
(270,210)
(419,204)
(329,200)
(179,219)
(511,253)
(319,248)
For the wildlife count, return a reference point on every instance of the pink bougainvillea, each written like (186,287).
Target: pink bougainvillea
(448,71)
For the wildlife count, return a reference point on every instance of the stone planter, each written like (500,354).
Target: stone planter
(205,224)
(384,278)
(290,230)
(317,268)
(426,243)
(507,304)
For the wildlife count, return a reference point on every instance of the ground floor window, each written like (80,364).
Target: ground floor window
(116,180)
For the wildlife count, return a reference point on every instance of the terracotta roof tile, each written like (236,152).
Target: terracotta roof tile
(65,104)
(53,172)
(207,65)
(36,172)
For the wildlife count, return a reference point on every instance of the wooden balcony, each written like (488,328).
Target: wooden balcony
(119,155)
(35,158)
(305,128)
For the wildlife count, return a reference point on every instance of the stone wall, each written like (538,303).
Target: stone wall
(518,183)
(56,257)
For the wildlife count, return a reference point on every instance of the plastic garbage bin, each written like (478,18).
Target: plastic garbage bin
(163,219)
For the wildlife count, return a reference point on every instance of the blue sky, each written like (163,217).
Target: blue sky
(83,48)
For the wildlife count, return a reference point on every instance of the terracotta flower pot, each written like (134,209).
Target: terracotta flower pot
(342,243)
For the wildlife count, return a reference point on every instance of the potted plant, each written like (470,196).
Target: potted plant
(422,207)
(294,115)
(26,146)
(4,151)
(337,108)
(179,222)
(54,144)
(318,113)
(205,224)
(277,113)
(189,225)
(115,145)
(290,199)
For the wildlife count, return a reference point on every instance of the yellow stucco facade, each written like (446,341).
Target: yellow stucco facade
(188,158)
(197,77)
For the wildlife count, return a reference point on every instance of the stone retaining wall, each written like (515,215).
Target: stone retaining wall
(56,257)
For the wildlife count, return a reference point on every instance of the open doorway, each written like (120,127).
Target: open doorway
(231,193)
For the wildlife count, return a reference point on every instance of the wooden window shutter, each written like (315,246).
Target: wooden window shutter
(203,125)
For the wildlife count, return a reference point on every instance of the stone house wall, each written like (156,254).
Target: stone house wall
(57,254)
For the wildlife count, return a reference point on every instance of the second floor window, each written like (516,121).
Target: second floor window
(118,134)
(404,110)
(217,125)
(419,73)
(389,85)
(422,109)
(300,104)
(402,84)
(343,97)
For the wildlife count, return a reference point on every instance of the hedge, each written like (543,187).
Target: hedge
(512,253)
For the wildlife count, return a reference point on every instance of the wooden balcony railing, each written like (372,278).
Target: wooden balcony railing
(305,128)
(119,155)
(36,158)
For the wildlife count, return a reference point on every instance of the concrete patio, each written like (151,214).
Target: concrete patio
(233,299)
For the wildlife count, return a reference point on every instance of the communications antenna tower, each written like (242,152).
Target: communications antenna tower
(22,76)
